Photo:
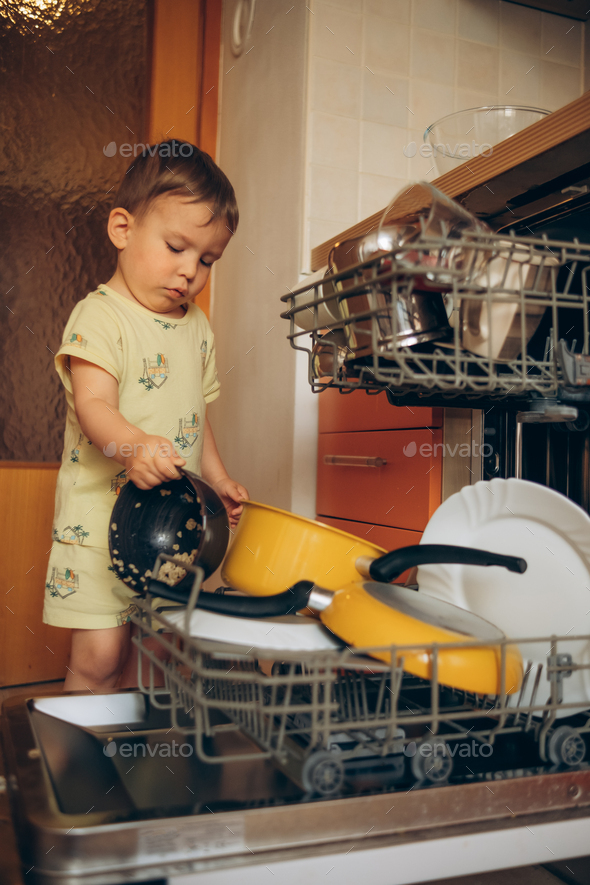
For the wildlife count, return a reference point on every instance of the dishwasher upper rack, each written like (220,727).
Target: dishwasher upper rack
(448,372)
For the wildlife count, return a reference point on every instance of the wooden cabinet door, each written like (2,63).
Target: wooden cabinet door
(345,412)
(30,651)
(403,493)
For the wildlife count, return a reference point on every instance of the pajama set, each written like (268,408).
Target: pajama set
(165,369)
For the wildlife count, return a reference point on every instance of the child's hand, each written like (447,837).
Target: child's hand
(153,461)
(231,493)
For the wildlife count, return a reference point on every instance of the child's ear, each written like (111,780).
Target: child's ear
(118,227)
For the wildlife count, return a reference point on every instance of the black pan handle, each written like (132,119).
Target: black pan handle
(289,602)
(389,566)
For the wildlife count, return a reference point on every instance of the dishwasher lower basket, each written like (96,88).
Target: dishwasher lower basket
(331,718)
(542,284)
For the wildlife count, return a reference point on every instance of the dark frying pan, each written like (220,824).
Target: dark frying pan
(183,516)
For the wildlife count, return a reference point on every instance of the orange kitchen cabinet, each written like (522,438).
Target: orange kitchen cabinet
(345,412)
(402,492)
(384,536)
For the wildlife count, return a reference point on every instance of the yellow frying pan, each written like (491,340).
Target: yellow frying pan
(373,614)
(370,614)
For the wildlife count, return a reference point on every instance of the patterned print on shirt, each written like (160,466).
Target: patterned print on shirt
(75,452)
(62,580)
(188,432)
(118,482)
(165,325)
(72,534)
(155,371)
(125,617)
(76,340)
(203,353)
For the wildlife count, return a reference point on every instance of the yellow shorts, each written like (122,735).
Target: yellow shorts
(83,592)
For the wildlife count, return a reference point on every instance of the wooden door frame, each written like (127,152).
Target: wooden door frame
(184,98)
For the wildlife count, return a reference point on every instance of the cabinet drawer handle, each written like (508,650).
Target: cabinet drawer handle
(354,461)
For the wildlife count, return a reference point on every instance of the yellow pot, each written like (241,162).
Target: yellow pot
(273,549)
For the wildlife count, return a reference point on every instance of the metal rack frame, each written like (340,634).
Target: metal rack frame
(383,283)
(342,700)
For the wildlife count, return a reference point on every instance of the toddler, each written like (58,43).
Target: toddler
(138,365)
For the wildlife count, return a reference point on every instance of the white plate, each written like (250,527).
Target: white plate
(288,633)
(552,597)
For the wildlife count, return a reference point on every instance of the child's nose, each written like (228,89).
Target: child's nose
(189,267)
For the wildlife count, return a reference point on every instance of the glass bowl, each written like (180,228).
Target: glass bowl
(472,133)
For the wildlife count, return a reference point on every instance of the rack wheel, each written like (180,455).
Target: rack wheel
(435,768)
(566,746)
(323,773)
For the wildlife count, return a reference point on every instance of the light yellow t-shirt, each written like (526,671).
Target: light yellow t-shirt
(166,373)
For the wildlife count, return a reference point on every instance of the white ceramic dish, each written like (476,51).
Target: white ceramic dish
(551,598)
(316,315)
(495,330)
(288,633)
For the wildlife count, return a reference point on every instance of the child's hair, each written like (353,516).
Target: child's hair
(177,167)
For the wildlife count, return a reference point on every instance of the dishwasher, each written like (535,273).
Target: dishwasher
(247,762)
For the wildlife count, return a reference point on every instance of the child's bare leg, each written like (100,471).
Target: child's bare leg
(97,658)
(129,674)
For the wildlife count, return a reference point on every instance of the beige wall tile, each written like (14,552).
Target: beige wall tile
(479,20)
(429,102)
(382,150)
(478,66)
(335,88)
(336,34)
(385,99)
(320,231)
(333,194)
(386,44)
(349,5)
(561,39)
(467,98)
(560,84)
(437,15)
(520,28)
(376,191)
(335,141)
(433,56)
(520,78)
(398,9)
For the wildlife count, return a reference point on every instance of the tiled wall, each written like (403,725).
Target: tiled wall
(380,71)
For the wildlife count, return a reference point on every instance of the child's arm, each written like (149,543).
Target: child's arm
(148,460)
(230,491)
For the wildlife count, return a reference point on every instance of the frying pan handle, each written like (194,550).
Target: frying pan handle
(286,603)
(391,565)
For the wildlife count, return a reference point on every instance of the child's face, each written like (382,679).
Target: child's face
(167,255)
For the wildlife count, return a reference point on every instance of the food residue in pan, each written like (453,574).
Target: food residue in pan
(138,505)
(170,573)
(191,524)
(179,534)
(114,526)
(165,492)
